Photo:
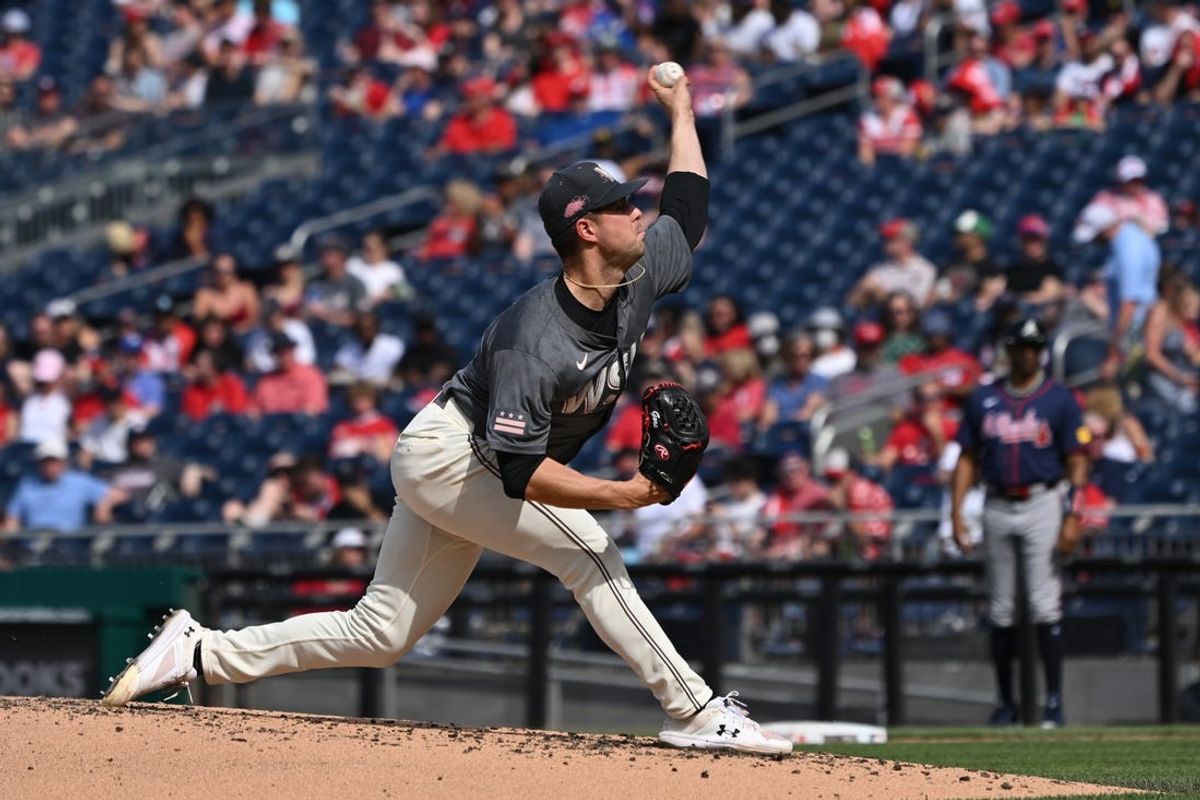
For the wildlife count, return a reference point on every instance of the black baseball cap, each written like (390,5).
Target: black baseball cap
(576,190)
(1025,331)
(281,341)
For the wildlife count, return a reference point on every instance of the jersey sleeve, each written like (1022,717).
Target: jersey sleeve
(968,432)
(519,409)
(668,257)
(1071,435)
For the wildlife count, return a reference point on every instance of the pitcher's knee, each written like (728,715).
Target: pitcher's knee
(382,635)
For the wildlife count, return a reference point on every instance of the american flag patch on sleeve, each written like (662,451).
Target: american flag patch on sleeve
(510,423)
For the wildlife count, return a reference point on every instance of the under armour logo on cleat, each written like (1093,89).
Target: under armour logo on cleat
(722,731)
(189,631)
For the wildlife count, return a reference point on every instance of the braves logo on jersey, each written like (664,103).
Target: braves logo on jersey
(1028,428)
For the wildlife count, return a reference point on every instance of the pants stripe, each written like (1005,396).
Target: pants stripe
(558,523)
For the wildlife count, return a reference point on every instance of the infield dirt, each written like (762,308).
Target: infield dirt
(78,749)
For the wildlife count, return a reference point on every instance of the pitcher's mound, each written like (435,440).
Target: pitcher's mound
(76,748)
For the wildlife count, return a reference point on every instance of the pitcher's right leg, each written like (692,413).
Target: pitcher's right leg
(420,571)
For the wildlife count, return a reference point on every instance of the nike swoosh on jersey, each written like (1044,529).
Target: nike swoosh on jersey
(583,362)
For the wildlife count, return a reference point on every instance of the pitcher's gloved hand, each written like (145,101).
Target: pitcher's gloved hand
(674,435)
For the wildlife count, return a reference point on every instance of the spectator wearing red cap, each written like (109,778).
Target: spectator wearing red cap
(1035,277)
(1132,200)
(870,370)
(794,395)
(1015,44)
(984,82)
(19,57)
(481,126)
(903,270)
(854,494)
(890,127)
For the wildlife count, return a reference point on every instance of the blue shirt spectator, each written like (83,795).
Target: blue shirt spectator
(1130,274)
(57,498)
(794,395)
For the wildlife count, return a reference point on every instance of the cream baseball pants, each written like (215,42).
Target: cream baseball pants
(450,504)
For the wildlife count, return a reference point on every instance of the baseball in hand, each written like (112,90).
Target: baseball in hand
(668,73)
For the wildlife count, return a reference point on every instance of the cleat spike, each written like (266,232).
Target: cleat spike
(149,635)
(129,661)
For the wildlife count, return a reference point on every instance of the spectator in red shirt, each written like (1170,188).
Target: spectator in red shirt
(956,371)
(213,389)
(725,327)
(265,37)
(798,492)
(745,391)
(918,438)
(348,551)
(615,84)
(293,388)
(19,57)
(563,75)
(890,127)
(625,432)
(362,94)
(482,126)
(368,432)
(454,232)
(718,80)
(854,494)
(866,35)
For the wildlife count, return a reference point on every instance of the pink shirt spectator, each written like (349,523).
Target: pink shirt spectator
(300,389)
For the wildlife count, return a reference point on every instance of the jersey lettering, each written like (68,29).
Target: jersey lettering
(603,390)
(1028,428)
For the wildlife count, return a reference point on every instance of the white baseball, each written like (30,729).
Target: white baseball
(667,73)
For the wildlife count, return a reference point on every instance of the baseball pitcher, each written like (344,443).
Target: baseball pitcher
(484,464)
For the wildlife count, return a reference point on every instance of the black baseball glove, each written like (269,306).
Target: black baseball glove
(674,435)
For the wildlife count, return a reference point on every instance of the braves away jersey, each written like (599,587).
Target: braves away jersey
(1020,440)
(541,383)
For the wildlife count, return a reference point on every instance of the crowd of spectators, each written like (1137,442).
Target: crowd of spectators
(183,55)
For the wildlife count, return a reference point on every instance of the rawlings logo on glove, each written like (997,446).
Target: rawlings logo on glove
(674,435)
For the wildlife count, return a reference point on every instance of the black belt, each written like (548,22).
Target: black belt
(1020,492)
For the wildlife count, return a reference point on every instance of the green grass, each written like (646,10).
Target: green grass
(1160,759)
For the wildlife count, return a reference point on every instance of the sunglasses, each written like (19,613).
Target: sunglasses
(621,206)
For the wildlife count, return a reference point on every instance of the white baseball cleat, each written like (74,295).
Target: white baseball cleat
(166,663)
(725,724)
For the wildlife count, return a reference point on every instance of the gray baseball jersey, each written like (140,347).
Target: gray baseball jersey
(540,383)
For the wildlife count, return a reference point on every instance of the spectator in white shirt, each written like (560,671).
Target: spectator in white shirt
(828,333)
(903,270)
(277,319)
(370,355)
(796,34)
(383,278)
(46,412)
(745,37)
(737,530)
(657,527)
(107,437)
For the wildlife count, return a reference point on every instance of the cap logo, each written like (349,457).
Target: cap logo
(575,206)
(600,171)
(1029,328)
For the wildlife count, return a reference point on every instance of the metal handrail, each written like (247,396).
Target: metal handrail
(1063,339)
(898,516)
(311,227)
(732,130)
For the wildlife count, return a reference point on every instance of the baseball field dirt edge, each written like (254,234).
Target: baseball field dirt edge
(76,748)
